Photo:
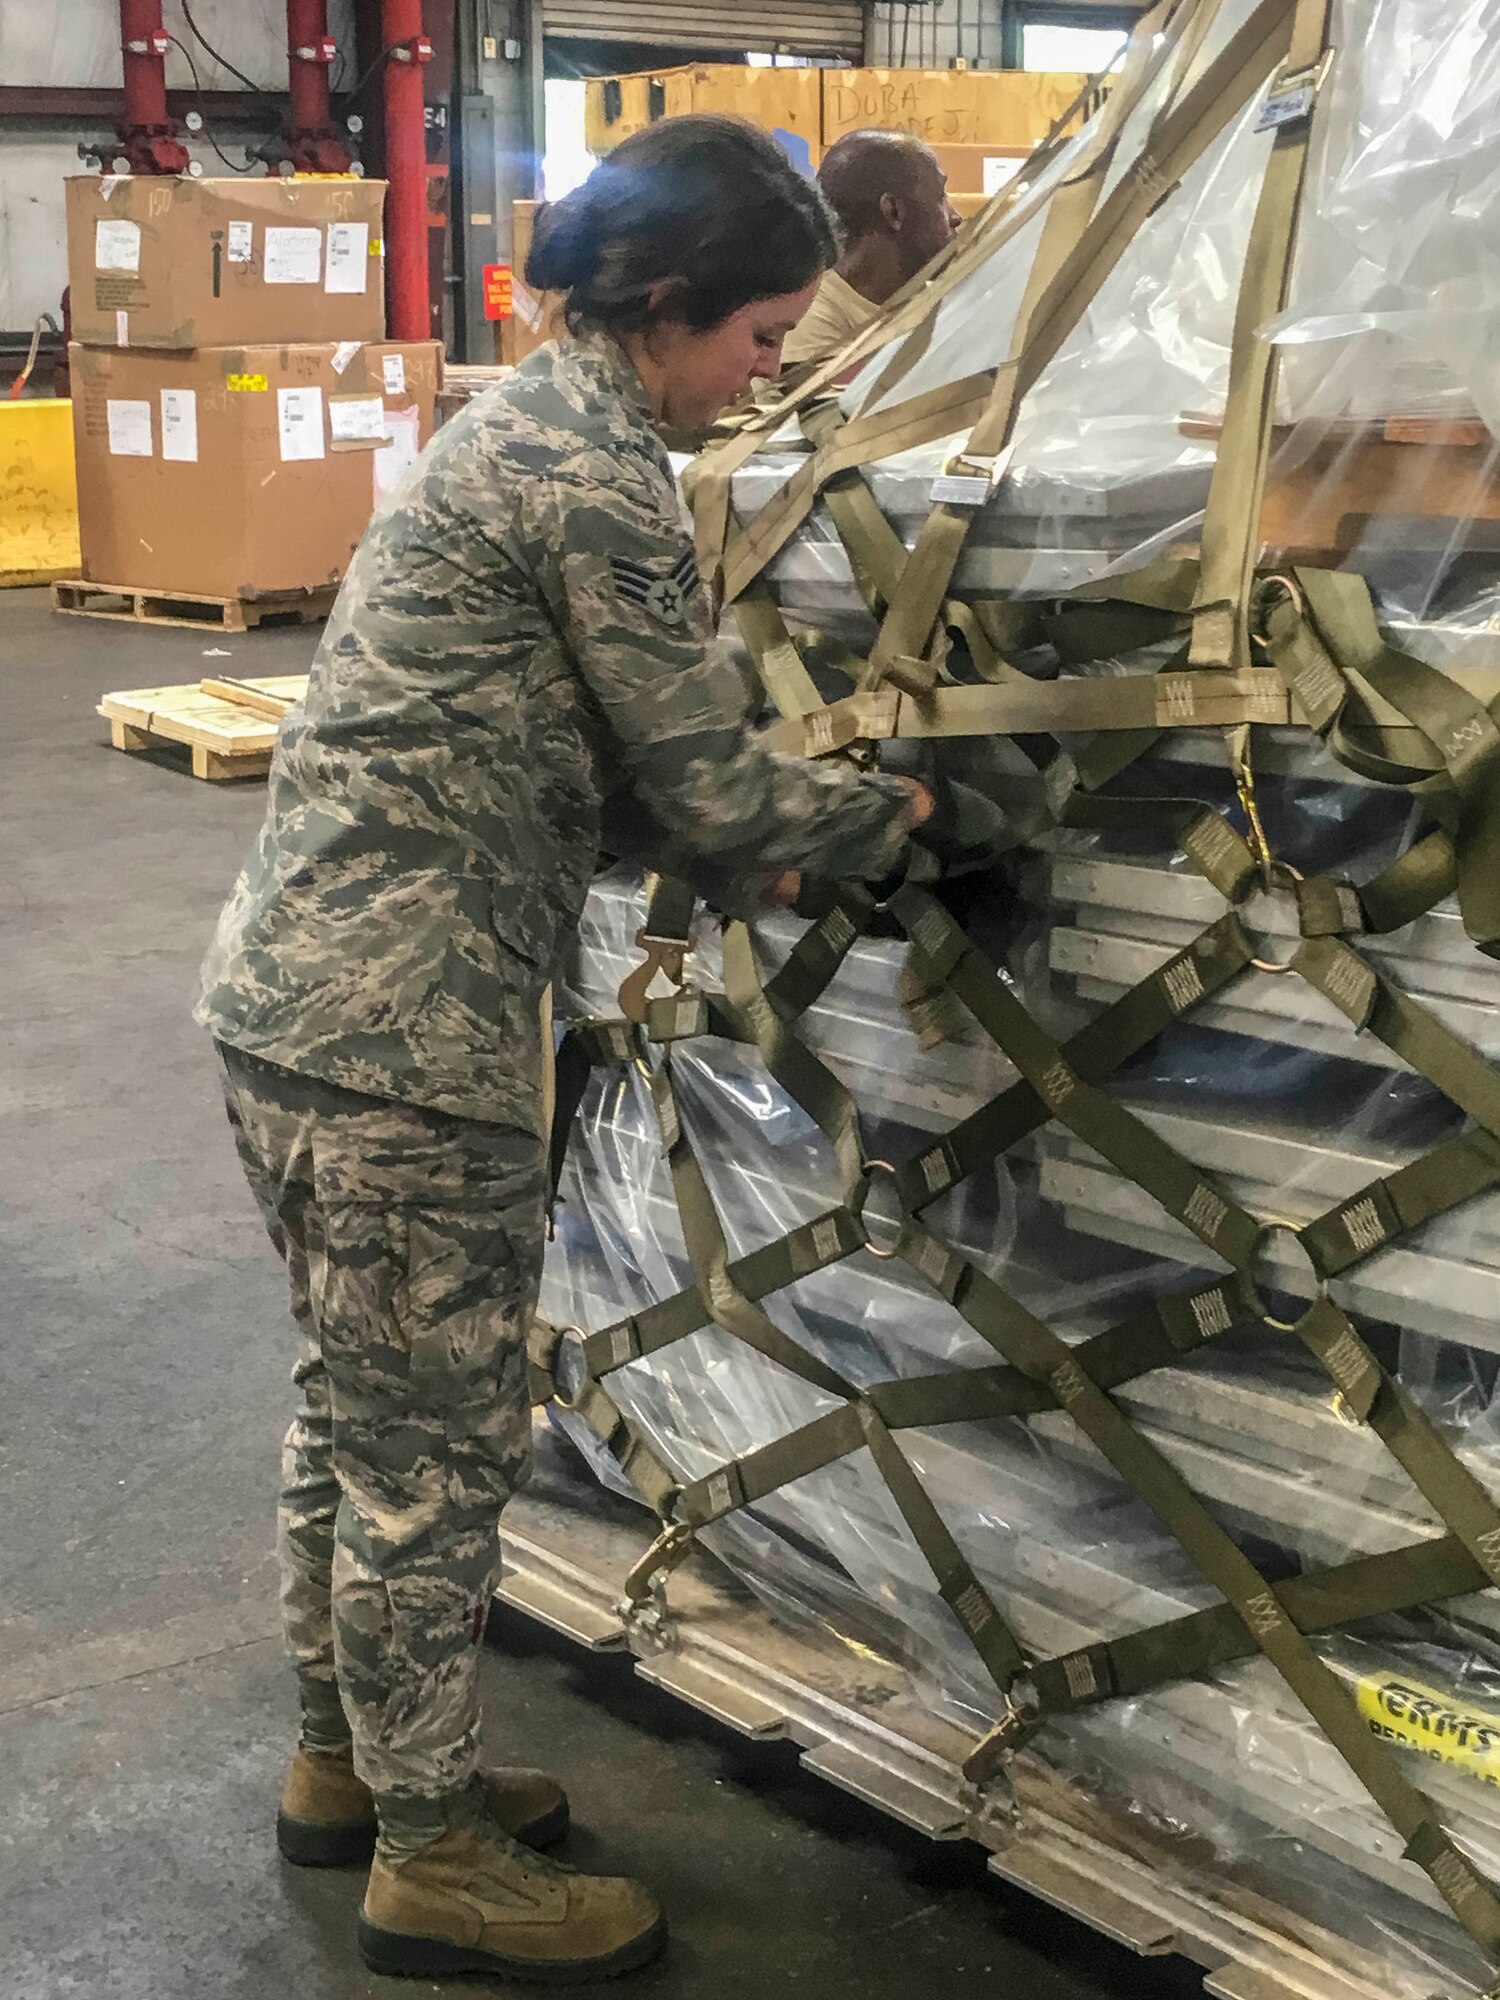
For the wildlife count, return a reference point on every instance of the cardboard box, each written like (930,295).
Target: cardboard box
(998,108)
(167,261)
(536,317)
(787,103)
(236,471)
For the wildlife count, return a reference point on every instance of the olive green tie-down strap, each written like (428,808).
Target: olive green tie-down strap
(1154,42)
(730,1308)
(1335,661)
(1230,538)
(1095,1671)
(708,483)
(1180,137)
(1040,1354)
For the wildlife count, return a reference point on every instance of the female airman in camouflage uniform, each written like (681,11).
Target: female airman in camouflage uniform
(522,648)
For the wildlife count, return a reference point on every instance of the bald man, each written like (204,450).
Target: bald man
(891,199)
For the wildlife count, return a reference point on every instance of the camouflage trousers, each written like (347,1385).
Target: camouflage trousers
(413,1241)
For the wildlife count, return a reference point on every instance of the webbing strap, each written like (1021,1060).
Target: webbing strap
(1181,136)
(1122,1030)
(1461,730)
(1038,1352)
(928,572)
(1017,706)
(1189,1647)
(708,1254)
(1125,1140)
(1231,523)
(925,419)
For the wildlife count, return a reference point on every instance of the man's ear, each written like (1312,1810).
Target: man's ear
(891,211)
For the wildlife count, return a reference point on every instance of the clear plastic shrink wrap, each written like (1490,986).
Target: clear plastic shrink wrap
(1383,462)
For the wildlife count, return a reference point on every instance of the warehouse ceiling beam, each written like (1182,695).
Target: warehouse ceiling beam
(51,104)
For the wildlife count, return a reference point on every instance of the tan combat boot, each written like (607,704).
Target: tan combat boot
(475,1901)
(327,1816)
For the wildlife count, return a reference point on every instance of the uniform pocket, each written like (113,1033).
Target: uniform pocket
(461,1301)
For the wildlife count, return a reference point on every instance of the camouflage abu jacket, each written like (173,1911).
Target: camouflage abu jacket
(522,641)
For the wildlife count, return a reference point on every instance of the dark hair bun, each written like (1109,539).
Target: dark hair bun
(561,253)
(707,212)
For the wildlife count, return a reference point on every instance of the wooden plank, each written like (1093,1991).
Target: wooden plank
(245,694)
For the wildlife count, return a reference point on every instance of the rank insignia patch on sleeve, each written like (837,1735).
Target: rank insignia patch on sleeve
(665,597)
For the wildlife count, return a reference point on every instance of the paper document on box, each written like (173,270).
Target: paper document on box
(356,419)
(129,428)
(179,425)
(294,256)
(348,256)
(399,453)
(241,244)
(395,374)
(117,246)
(299,414)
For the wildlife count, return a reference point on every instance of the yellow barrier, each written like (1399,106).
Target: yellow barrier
(38,491)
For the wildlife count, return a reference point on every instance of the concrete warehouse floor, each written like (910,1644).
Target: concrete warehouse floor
(144,1712)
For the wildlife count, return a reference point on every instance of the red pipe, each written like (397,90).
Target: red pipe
(144,48)
(148,136)
(312,138)
(407,50)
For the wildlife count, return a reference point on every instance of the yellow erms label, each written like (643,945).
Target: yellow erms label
(1422,1718)
(246,382)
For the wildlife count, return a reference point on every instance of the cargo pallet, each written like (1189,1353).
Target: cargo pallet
(228,726)
(859,1726)
(177,607)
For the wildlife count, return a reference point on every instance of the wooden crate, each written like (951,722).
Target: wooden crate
(173,607)
(1003,109)
(786,102)
(538,315)
(228,738)
(1412,469)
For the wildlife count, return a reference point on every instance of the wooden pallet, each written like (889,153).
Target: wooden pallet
(230,733)
(177,607)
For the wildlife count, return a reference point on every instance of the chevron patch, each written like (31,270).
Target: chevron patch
(665,597)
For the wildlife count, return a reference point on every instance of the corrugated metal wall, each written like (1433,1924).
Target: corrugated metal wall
(798,27)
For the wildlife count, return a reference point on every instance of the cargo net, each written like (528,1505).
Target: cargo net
(1299,645)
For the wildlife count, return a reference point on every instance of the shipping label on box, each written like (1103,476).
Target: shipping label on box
(299,416)
(293,256)
(348,256)
(179,426)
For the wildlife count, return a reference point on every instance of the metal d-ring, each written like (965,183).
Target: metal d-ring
(563,1399)
(1289,588)
(1278,868)
(1278,1225)
(874,1166)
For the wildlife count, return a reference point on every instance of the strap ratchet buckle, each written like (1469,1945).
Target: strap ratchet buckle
(1018,1723)
(645,1601)
(663,954)
(1293,95)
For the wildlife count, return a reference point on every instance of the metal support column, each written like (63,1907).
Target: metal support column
(407,278)
(314,143)
(148,136)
